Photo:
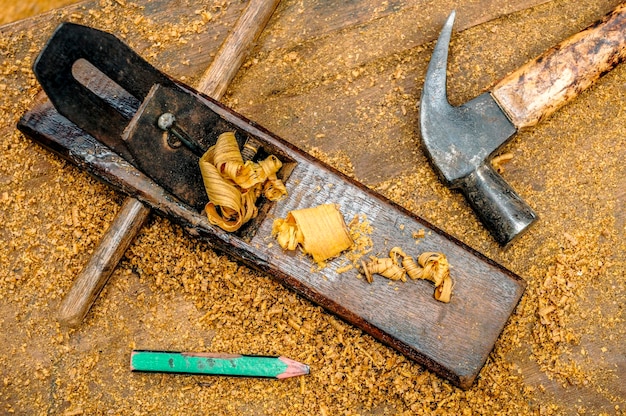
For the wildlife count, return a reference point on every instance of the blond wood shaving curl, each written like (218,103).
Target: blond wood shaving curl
(386,267)
(233,186)
(499,161)
(430,266)
(320,231)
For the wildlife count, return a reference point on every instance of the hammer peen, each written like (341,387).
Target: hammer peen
(460,141)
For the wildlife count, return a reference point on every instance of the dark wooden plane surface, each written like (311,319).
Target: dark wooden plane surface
(343,79)
(452,339)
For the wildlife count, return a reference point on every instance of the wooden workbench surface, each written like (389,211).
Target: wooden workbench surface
(340,80)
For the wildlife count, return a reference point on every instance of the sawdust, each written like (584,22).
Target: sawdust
(16,10)
(561,353)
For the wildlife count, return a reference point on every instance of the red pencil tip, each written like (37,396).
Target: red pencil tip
(294,368)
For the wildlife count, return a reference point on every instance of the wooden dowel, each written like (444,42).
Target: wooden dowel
(133,214)
(103,261)
(235,48)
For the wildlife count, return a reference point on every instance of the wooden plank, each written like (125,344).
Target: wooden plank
(415,22)
(366,27)
(190,35)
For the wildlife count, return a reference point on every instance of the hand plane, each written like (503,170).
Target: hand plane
(114,115)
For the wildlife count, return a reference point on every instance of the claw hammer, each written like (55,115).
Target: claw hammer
(133,213)
(460,141)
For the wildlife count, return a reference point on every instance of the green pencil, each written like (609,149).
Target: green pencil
(216,364)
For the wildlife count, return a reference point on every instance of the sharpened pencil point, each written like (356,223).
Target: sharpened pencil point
(294,368)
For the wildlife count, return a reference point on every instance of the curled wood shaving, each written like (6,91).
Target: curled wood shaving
(233,186)
(430,266)
(499,161)
(386,267)
(320,231)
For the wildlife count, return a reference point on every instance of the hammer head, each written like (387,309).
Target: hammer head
(459,142)
(458,139)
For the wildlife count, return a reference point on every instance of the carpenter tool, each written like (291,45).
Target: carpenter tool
(460,141)
(133,214)
(216,364)
(104,120)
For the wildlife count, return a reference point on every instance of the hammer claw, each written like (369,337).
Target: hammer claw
(435,95)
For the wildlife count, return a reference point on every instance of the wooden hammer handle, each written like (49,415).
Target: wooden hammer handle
(543,85)
(133,214)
